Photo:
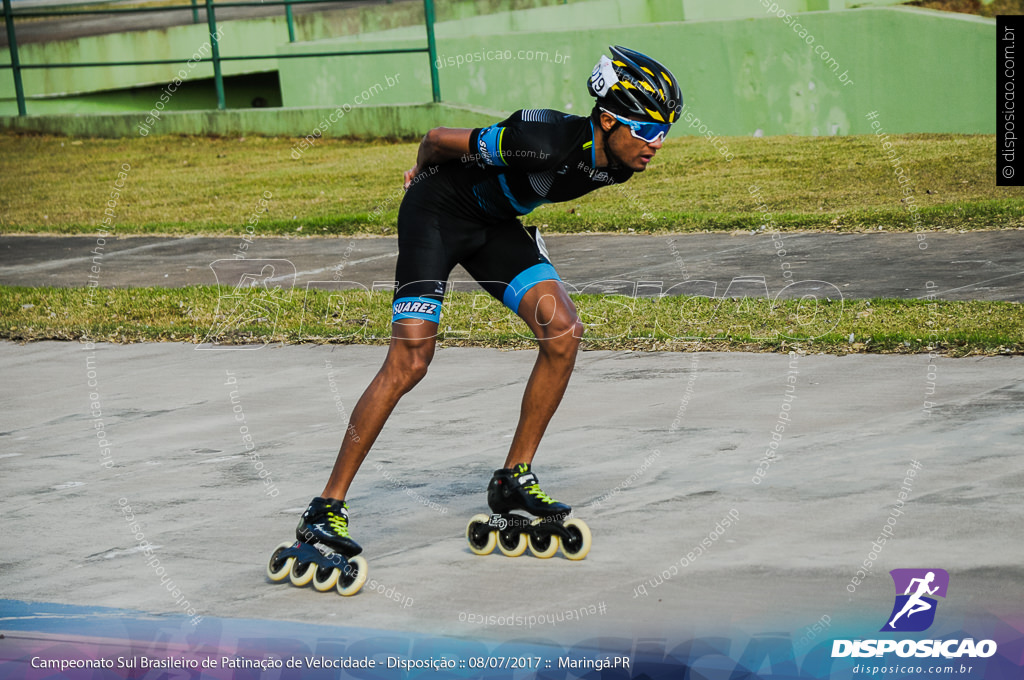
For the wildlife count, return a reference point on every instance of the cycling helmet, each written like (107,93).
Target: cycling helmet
(636,86)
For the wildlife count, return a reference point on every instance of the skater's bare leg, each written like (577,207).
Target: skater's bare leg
(551,315)
(412,348)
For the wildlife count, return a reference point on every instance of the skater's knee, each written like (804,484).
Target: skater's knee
(408,362)
(416,367)
(561,338)
(404,377)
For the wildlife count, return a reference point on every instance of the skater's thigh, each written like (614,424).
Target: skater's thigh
(511,262)
(412,344)
(430,244)
(549,312)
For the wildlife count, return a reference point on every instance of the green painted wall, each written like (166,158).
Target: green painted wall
(185,42)
(255,36)
(741,77)
(592,13)
(240,92)
(369,121)
(240,37)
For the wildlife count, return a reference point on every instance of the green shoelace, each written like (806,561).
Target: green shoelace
(339,523)
(535,491)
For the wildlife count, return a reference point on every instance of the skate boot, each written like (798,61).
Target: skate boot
(322,553)
(517,489)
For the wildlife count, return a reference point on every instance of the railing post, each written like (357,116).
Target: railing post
(218,79)
(435,84)
(291,22)
(195,11)
(19,91)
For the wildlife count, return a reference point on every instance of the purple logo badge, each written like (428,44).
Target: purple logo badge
(914,609)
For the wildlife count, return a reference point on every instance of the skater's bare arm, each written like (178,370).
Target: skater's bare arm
(439,145)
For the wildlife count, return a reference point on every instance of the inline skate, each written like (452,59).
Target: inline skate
(517,489)
(322,552)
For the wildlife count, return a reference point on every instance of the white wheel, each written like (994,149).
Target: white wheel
(302,574)
(350,583)
(514,550)
(579,546)
(479,535)
(331,578)
(544,547)
(278,569)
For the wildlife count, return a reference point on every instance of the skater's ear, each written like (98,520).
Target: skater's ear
(607,121)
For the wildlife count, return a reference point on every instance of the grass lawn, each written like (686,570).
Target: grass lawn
(215,186)
(674,323)
(198,185)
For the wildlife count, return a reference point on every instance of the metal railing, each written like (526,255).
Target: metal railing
(17,67)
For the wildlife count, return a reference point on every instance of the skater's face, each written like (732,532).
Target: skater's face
(627,149)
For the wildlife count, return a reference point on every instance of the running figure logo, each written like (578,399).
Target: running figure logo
(916,585)
(255,299)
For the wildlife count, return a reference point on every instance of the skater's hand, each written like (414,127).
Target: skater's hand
(410,174)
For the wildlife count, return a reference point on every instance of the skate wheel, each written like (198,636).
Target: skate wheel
(479,535)
(578,546)
(542,546)
(302,573)
(277,568)
(510,548)
(326,578)
(354,576)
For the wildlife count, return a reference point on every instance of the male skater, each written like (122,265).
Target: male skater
(466,212)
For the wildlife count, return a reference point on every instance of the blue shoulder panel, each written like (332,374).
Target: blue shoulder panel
(489,145)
